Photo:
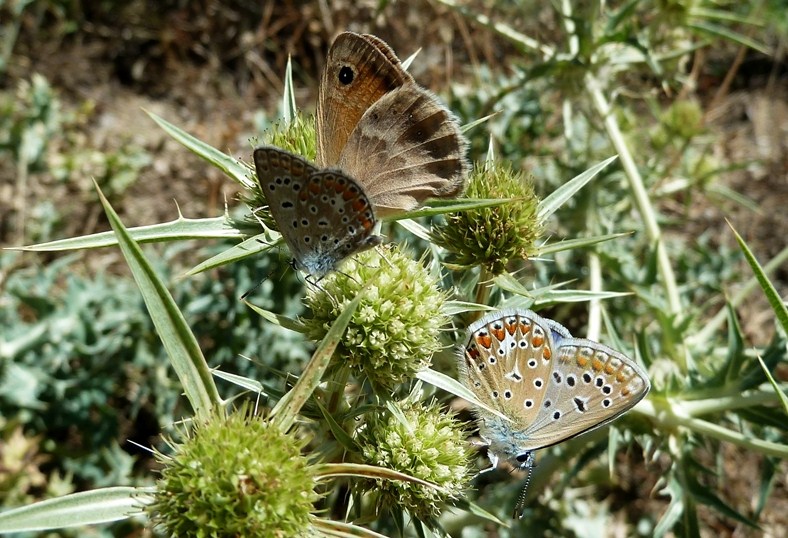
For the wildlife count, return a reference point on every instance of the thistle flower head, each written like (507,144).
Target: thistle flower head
(235,476)
(297,137)
(493,236)
(423,442)
(394,331)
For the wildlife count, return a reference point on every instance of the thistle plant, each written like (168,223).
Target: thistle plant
(493,237)
(347,437)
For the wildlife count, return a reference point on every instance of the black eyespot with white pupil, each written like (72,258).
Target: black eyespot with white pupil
(346,75)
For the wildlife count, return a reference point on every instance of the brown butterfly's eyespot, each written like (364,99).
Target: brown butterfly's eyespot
(346,75)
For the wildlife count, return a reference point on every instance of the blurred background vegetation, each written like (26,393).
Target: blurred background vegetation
(698,91)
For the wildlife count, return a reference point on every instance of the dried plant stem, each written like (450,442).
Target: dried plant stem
(638,189)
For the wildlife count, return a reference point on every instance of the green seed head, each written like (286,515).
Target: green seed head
(235,476)
(493,236)
(395,328)
(428,444)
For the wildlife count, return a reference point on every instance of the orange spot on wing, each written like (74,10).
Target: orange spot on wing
(484,340)
(499,334)
(366,223)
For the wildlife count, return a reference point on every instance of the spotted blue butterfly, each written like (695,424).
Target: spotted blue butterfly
(550,385)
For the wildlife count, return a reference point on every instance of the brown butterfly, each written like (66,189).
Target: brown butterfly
(390,145)
(377,125)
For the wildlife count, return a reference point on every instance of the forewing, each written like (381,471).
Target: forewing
(507,362)
(359,70)
(323,215)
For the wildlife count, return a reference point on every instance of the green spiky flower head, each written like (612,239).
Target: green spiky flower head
(394,331)
(493,236)
(297,137)
(421,441)
(235,476)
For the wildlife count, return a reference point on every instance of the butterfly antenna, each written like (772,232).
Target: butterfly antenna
(260,283)
(248,292)
(349,277)
(519,507)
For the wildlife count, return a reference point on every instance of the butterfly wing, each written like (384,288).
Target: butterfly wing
(591,384)
(406,148)
(360,69)
(507,363)
(323,215)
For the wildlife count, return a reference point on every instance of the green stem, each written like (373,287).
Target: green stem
(722,404)
(666,418)
(642,201)
(338,390)
(483,286)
